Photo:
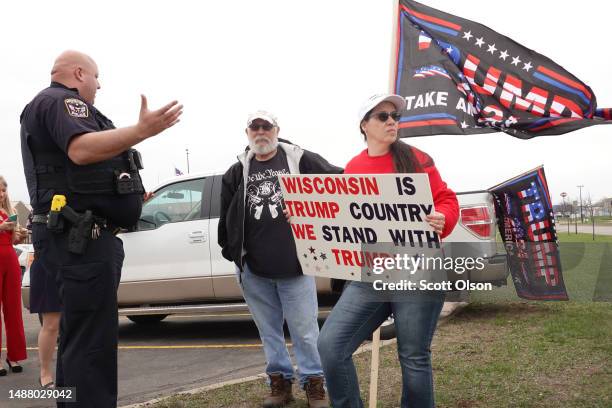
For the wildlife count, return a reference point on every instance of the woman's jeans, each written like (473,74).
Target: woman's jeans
(356,315)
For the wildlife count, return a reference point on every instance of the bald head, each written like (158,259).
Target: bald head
(75,69)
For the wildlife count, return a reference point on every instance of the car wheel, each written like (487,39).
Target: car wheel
(147,319)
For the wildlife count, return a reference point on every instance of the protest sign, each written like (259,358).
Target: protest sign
(337,220)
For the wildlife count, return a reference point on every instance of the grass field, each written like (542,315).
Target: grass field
(586,238)
(603,219)
(525,355)
(582,260)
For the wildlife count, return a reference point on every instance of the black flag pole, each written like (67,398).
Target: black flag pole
(393,48)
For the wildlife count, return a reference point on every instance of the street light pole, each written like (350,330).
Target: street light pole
(563,195)
(592,216)
(581,217)
(575,204)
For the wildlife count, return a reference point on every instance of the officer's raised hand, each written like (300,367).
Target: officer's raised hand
(152,123)
(98,146)
(87,135)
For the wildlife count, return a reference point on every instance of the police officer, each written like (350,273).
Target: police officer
(71,148)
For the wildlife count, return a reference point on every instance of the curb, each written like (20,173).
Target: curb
(449,309)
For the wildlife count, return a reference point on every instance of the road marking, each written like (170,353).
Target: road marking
(179,347)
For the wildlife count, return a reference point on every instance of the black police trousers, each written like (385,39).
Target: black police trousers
(87,352)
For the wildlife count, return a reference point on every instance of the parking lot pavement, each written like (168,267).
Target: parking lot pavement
(178,354)
(182,353)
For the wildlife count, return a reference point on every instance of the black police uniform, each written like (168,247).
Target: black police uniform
(87,282)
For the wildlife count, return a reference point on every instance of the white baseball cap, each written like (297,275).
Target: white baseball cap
(264,115)
(372,101)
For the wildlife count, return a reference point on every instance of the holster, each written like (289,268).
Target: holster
(80,230)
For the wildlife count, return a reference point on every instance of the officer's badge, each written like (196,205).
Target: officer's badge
(76,108)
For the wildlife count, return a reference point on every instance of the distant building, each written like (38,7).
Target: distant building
(23,211)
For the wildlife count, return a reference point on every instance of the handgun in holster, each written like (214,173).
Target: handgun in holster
(80,231)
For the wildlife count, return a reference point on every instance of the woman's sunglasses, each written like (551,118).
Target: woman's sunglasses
(255,127)
(384,116)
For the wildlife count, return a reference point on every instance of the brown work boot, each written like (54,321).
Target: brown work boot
(280,392)
(315,392)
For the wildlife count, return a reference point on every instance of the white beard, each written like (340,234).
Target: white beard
(263,149)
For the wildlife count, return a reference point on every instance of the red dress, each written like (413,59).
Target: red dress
(10,296)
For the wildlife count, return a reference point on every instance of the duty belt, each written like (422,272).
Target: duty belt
(100,222)
(40,218)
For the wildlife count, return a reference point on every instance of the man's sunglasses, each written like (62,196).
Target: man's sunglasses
(255,126)
(383,116)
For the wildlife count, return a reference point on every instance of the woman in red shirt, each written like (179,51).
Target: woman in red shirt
(360,309)
(10,285)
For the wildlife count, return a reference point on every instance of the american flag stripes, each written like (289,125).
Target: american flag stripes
(527,226)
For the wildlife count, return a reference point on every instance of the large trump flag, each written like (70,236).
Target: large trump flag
(460,77)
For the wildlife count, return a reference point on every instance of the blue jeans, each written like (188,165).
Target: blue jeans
(271,301)
(353,319)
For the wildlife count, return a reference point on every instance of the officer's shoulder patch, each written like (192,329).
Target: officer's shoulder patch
(76,107)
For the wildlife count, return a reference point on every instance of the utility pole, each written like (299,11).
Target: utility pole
(591,212)
(575,215)
(581,217)
(187,153)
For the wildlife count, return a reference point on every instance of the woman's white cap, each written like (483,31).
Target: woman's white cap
(398,101)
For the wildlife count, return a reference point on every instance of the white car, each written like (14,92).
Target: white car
(25,254)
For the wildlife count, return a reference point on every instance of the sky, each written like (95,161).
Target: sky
(310,63)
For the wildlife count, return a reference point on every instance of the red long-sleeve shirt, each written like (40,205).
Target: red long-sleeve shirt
(445,200)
